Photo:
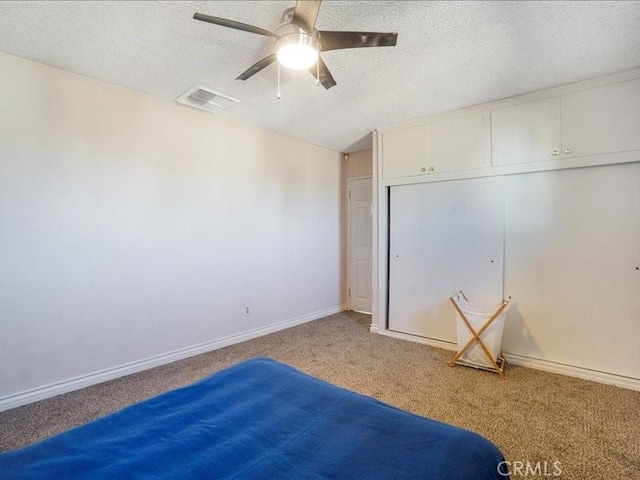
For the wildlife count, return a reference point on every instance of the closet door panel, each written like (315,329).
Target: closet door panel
(444,237)
(572,250)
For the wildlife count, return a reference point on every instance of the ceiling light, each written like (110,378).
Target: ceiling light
(297,51)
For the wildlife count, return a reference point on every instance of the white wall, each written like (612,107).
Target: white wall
(131,227)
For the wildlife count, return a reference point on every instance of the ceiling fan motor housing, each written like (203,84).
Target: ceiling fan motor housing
(293,40)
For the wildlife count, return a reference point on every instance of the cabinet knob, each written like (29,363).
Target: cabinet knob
(568,151)
(431,169)
(422,169)
(555,153)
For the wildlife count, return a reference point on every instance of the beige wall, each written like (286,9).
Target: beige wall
(135,230)
(356,164)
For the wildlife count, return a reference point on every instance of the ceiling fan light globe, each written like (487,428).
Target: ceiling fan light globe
(297,51)
(297,57)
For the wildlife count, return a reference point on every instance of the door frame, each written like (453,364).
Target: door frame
(348,285)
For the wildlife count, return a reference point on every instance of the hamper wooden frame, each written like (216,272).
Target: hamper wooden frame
(496,366)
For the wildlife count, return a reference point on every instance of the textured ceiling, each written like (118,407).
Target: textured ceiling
(449,55)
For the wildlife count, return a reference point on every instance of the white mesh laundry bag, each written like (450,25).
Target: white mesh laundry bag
(478,315)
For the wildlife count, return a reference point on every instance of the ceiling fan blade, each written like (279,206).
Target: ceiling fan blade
(233,24)
(338,40)
(326,79)
(253,69)
(305,14)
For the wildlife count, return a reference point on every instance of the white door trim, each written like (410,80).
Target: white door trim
(348,285)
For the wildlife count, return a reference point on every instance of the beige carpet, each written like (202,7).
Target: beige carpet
(593,430)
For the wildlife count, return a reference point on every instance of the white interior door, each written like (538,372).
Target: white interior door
(360,244)
(445,237)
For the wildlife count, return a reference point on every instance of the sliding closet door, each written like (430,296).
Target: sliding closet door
(444,237)
(572,258)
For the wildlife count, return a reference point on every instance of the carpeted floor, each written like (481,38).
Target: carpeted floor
(593,430)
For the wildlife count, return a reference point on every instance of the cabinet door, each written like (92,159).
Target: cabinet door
(404,151)
(444,237)
(456,143)
(527,132)
(602,120)
(446,145)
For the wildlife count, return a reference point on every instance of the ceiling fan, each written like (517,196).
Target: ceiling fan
(298,43)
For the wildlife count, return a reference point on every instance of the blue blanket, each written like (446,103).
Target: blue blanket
(259,419)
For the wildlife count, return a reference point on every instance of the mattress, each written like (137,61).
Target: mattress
(259,419)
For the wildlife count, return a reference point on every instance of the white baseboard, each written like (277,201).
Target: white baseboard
(535,363)
(573,371)
(47,391)
(373,328)
(424,340)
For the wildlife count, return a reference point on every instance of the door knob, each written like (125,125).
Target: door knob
(555,153)
(568,151)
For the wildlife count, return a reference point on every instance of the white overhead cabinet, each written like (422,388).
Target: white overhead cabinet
(602,120)
(589,122)
(527,132)
(444,145)
(456,143)
(405,151)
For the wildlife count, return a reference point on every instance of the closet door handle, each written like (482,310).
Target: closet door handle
(568,151)
(555,153)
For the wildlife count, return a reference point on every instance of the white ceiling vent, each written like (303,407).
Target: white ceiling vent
(206,99)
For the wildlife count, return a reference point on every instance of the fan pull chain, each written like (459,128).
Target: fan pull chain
(278,80)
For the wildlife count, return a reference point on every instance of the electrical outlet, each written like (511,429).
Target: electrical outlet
(246,311)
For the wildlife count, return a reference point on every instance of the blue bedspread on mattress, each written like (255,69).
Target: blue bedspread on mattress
(259,419)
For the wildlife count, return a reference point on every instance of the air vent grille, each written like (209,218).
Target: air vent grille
(207,99)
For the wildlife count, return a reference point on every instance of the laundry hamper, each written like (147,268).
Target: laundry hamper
(479,334)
